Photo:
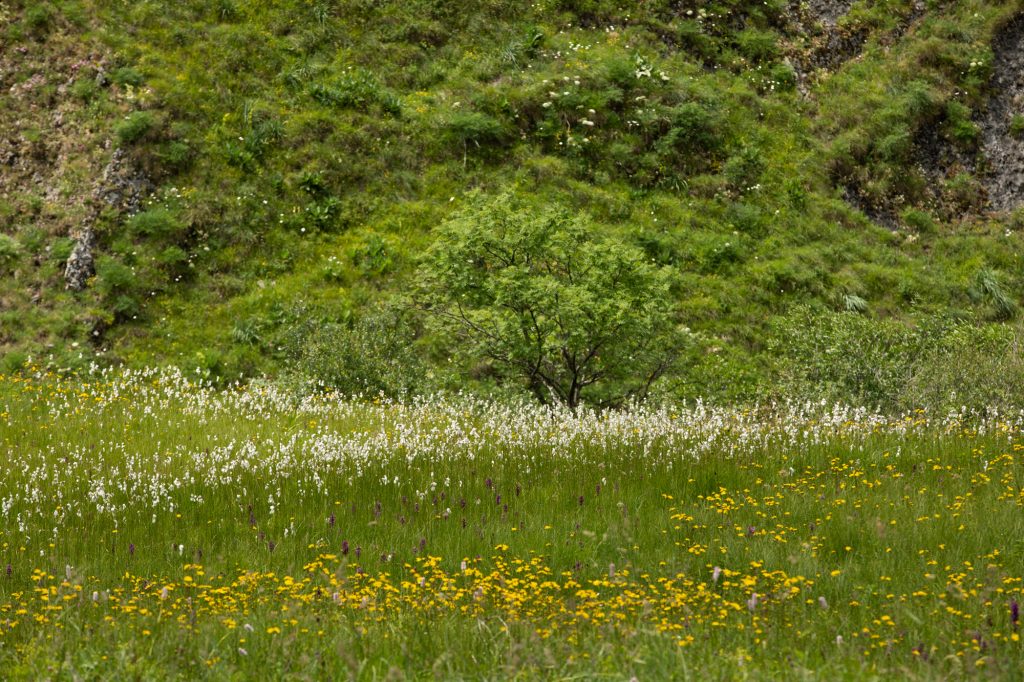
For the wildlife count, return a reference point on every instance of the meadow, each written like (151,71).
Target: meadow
(157,528)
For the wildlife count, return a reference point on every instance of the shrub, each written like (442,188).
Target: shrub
(126,75)
(135,127)
(756,45)
(847,357)
(39,19)
(116,283)
(158,223)
(987,288)
(10,249)
(1016,127)
(472,128)
(373,356)
(744,169)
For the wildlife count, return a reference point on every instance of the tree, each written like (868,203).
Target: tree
(543,297)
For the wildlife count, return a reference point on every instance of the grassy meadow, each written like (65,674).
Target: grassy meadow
(155,528)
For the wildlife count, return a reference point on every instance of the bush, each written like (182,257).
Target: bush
(939,363)
(10,249)
(372,357)
(757,46)
(1016,128)
(744,169)
(846,357)
(158,223)
(135,127)
(126,75)
(116,283)
(39,19)
(474,129)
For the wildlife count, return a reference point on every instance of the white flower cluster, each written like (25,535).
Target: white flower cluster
(138,444)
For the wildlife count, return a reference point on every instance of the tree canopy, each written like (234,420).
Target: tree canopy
(547,298)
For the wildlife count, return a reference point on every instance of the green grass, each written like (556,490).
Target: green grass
(214,534)
(293,139)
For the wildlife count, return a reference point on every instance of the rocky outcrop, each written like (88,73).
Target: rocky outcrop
(122,186)
(828,12)
(80,265)
(1002,133)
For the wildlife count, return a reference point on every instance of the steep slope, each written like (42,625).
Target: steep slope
(283,162)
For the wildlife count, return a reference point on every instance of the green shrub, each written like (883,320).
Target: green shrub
(939,363)
(756,45)
(1016,127)
(474,129)
(61,249)
(987,288)
(85,89)
(374,356)
(39,19)
(117,284)
(847,357)
(919,221)
(126,75)
(959,126)
(158,223)
(135,127)
(744,169)
(10,249)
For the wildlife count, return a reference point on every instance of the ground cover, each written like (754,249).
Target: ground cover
(156,528)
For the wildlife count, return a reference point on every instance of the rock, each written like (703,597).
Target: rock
(80,266)
(829,12)
(122,186)
(1004,150)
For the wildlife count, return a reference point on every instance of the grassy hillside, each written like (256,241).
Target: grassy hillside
(289,160)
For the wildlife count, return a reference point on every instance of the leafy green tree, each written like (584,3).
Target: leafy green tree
(544,298)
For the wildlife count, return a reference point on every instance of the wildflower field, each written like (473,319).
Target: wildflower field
(153,528)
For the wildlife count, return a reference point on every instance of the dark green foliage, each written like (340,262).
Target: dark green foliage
(1017,126)
(473,129)
(756,45)
(126,75)
(939,363)
(39,18)
(117,284)
(135,127)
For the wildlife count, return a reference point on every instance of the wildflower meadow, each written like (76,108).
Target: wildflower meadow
(155,528)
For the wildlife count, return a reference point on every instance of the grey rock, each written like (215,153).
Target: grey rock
(829,12)
(1004,153)
(80,265)
(123,186)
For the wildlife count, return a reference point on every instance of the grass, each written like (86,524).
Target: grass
(328,140)
(157,528)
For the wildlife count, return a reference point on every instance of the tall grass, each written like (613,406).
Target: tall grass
(157,528)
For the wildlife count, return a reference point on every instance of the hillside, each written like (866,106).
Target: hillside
(223,174)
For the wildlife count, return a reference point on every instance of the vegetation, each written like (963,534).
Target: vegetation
(743,253)
(215,534)
(539,294)
(304,155)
